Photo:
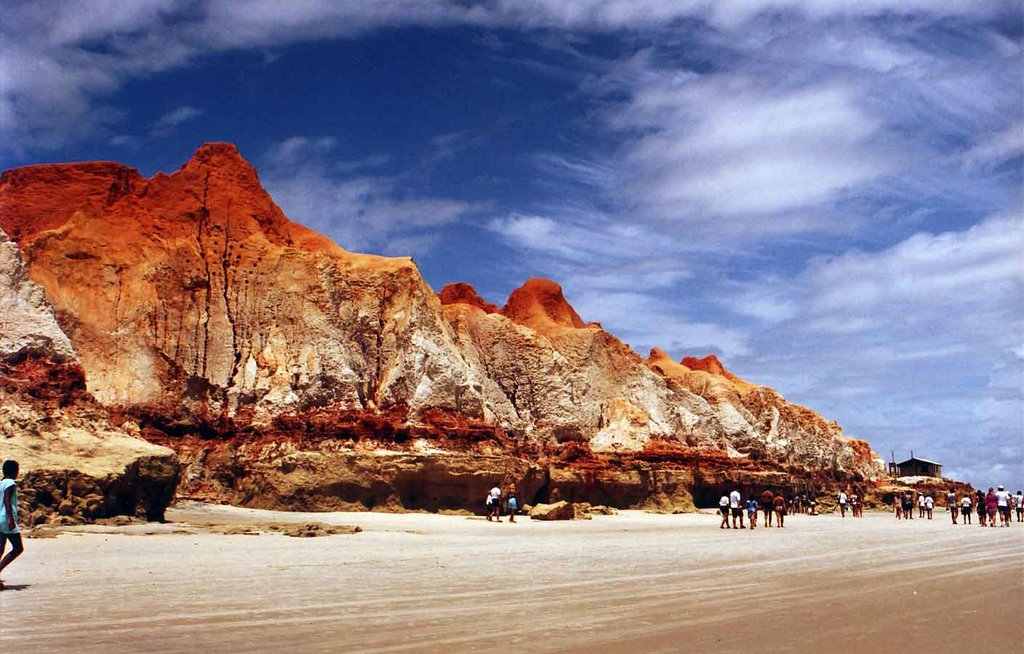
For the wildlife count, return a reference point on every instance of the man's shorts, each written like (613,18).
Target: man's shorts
(737,513)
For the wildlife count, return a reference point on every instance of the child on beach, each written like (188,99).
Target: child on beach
(965,508)
(1019,501)
(513,503)
(929,505)
(723,508)
(752,512)
(9,530)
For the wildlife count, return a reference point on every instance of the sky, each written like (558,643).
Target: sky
(826,195)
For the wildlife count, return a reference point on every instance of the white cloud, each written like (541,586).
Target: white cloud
(298,151)
(994,149)
(645,321)
(168,121)
(727,146)
(916,346)
(360,212)
(59,59)
(925,275)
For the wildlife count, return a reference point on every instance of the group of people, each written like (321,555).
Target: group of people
(494,501)
(849,500)
(997,504)
(732,505)
(904,504)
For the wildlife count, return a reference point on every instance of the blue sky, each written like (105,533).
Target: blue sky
(826,195)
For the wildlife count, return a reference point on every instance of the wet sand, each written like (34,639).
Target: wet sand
(633,583)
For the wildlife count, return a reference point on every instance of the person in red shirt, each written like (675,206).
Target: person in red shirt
(991,506)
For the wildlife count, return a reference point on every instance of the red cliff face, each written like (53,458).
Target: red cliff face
(76,463)
(540,305)
(259,349)
(710,364)
(462,293)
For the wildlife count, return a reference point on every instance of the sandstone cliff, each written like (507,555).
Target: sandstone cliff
(287,371)
(76,465)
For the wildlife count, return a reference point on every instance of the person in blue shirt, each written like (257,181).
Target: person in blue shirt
(752,511)
(9,530)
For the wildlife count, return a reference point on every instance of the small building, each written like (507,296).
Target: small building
(916,467)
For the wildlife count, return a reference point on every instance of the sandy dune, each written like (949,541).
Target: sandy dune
(632,583)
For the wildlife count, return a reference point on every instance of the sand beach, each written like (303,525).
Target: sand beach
(216,578)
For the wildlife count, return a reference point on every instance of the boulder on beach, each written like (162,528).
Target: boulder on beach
(561,511)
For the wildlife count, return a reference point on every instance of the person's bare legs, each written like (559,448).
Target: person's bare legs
(16,549)
(778,519)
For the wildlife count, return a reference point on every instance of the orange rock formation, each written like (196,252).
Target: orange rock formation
(463,293)
(540,305)
(280,366)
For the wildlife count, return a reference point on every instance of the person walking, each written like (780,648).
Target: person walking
(9,529)
(1003,506)
(951,504)
(736,507)
(897,502)
(723,508)
(980,508)
(929,505)
(920,505)
(512,503)
(495,503)
(965,508)
(991,506)
(1019,502)
(752,512)
(780,510)
(843,499)
(767,505)
(908,506)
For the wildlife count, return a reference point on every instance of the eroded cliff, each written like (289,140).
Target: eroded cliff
(289,372)
(76,464)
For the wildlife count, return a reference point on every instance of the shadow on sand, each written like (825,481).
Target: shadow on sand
(14,587)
